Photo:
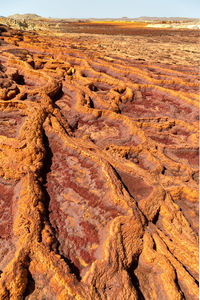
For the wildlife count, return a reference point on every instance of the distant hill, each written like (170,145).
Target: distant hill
(25,16)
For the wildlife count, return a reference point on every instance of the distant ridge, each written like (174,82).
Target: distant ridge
(142,18)
(25,16)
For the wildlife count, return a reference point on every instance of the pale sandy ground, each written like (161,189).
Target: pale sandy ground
(192,25)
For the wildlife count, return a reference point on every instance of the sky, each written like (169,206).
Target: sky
(102,8)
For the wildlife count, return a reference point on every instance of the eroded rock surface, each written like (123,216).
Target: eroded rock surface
(98,171)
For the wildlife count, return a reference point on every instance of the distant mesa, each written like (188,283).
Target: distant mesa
(25,16)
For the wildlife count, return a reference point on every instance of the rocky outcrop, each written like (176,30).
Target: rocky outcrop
(98,173)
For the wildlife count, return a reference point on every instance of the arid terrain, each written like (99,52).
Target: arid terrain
(99,165)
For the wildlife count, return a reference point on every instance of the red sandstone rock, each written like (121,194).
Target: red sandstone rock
(98,171)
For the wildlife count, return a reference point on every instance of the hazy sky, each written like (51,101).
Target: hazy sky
(102,8)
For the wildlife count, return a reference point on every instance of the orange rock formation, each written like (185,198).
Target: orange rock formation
(98,173)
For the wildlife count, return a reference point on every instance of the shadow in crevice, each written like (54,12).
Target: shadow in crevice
(57,96)
(19,79)
(47,160)
(117,174)
(122,181)
(156,217)
(73,268)
(30,286)
(178,286)
(46,169)
(135,280)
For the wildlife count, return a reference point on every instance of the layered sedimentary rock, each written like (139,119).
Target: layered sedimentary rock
(98,172)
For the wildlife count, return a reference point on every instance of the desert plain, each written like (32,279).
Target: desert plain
(99,167)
